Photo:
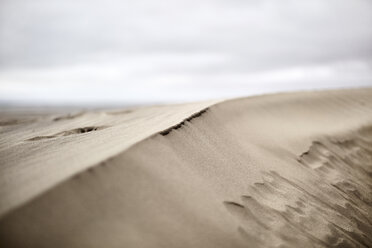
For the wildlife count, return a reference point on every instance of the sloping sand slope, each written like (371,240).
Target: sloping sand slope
(286,170)
(39,150)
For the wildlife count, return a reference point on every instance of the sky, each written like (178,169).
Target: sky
(142,51)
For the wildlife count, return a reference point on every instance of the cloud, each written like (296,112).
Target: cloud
(70,85)
(181,47)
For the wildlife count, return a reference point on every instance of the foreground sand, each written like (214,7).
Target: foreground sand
(286,170)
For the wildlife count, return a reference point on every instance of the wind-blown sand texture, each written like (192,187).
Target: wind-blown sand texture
(285,170)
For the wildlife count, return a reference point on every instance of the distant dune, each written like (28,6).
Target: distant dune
(284,170)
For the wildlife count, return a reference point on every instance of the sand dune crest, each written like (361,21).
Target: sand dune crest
(287,170)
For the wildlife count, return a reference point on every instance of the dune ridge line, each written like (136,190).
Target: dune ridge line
(283,170)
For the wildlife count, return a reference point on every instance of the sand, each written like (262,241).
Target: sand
(283,170)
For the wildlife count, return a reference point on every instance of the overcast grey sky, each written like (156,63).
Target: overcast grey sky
(143,51)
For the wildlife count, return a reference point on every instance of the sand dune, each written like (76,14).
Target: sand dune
(284,170)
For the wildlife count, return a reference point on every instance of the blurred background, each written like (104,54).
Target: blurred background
(93,52)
